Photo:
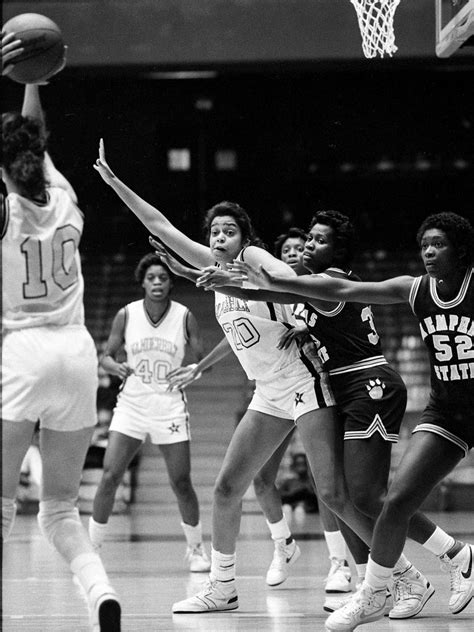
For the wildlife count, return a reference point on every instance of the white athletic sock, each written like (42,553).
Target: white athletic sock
(439,542)
(88,568)
(402,565)
(97,531)
(222,566)
(361,571)
(462,558)
(336,545)
(376,576)
(192,534)
(280,529)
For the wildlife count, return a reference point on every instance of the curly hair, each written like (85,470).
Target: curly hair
(458,230)
(243,221)
(24,143)
(344,234)
(151,259)
(291,233)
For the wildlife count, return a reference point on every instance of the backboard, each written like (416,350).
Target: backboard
(454,25)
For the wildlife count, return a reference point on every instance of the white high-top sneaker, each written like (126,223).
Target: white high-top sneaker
(365,606)
(197,559)
(214,596)
(462,587)
(284,556)
(411,591)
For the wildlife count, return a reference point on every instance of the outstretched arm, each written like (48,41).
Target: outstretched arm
(32,107)
(195,253)
(306,287)
(192,274)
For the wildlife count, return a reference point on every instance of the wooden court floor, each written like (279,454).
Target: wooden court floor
(144,557)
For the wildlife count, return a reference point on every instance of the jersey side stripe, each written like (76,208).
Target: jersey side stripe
(413,292)
(359,366)
(442,432)
(4,217)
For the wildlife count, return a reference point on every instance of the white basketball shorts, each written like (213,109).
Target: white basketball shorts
(50,376)
(162,416)
(292,392)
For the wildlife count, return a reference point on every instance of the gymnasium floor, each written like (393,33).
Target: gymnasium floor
(144,558)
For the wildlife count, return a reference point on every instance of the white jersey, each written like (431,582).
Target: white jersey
(254,329)
(42,282)
(153,349)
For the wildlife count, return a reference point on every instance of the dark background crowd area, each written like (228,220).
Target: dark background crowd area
(387,147)
(278,109)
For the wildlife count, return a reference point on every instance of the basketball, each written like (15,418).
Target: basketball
(44,47)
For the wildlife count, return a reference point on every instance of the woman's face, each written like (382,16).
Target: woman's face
(157,283)
(438,253)
(319,249)
(292,253)
(225,238)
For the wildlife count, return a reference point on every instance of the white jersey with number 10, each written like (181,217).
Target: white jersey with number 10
(41,269)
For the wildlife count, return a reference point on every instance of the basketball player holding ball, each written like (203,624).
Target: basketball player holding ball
(36,45)
(48,356)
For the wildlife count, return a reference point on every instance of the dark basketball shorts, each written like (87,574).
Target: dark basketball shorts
(370,401)
(455,425)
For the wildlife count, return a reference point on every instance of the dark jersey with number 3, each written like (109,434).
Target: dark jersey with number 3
(345,334)
(447,328)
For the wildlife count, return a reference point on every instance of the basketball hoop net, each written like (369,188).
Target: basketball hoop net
(376,26)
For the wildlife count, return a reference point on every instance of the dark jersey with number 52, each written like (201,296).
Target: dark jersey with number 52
(447,328)
(345,335)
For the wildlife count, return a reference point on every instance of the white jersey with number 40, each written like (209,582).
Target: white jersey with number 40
(41,270)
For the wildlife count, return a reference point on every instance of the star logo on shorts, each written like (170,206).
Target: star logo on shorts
(174,427)
(298,399)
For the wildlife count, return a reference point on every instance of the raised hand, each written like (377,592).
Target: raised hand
(167,258)
(11,48)
(243,271)
(101,164)
(213,277)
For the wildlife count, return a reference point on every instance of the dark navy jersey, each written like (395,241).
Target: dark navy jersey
(345,335)
(447,328)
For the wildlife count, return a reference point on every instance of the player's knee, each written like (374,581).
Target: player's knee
(368,501)
(262,485)
(111,479)
(334,498)
(225,491)
(182,485)
(8,516)
(398,506)
(57,515)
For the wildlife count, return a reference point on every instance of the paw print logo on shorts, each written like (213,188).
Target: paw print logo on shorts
(375,388)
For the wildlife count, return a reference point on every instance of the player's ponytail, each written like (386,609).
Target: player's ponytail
(23,149)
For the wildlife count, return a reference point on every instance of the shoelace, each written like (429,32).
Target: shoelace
(361,600)
(336,565)
(402,589)
(280,555)
(454,571)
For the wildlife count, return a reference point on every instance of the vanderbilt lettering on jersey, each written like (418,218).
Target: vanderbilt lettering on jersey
(153,349)
(447,328)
